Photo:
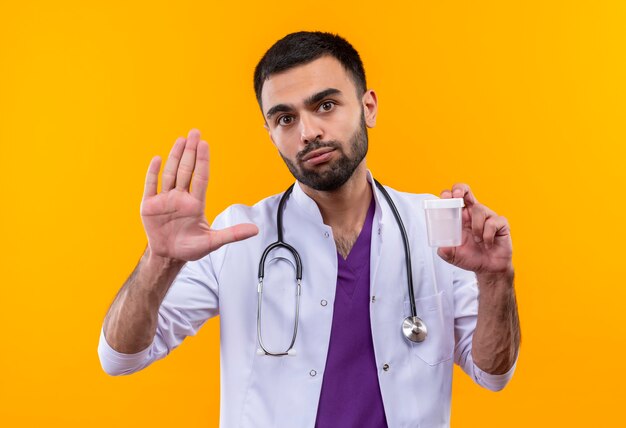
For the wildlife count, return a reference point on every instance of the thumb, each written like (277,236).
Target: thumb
(447,253)
(235,233)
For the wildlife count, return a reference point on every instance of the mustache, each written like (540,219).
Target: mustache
(314,145)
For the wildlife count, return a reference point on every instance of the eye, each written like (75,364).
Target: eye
(327,106)
(284,120)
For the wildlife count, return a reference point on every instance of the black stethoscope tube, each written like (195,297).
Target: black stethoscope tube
(280,242)
(413,328)
(407,250)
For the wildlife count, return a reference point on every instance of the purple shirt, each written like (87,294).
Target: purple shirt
(350,394)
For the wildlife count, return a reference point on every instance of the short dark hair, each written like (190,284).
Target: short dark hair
(303,47)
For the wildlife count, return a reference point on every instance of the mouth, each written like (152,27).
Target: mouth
(318,156)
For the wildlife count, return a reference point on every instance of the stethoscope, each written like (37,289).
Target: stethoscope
(413,327)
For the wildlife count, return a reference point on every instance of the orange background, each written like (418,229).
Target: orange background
(522,100)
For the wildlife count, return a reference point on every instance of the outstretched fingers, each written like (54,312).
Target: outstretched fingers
(188,161)
(200,178)
(171,166)
(152,178)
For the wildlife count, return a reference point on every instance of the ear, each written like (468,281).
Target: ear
(370,107)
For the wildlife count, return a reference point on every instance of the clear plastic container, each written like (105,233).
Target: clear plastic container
(444,221)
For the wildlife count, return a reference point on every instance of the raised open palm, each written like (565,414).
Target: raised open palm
(174,219)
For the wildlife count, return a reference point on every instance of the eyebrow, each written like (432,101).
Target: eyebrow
(313,99)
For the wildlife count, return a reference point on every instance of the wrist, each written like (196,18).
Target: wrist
(502,279)
(158,267)
(157,262)
(155,274)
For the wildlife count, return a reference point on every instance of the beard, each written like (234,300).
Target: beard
(338,171)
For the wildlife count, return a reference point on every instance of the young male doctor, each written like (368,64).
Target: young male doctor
(350,364)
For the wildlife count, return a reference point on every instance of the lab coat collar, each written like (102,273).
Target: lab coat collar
(310,208)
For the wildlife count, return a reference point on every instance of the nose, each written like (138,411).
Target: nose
(310,129)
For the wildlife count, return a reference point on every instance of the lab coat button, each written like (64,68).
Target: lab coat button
(379,230)
(386,367)
(312,373)
(326,234)
(323,302)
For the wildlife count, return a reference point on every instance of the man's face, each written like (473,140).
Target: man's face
(317,121)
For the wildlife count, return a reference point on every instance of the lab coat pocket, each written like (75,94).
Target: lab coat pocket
(435,311)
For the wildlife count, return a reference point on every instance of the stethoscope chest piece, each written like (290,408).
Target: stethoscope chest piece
(414,329)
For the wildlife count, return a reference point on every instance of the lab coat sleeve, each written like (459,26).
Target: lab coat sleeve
(191,300)
(466,313)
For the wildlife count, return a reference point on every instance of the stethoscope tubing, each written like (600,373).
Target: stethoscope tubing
(407,249)
(280,243)
(413,327)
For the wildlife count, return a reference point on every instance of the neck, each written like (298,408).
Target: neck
(345,208)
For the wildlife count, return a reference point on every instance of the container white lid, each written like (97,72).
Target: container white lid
(443,203)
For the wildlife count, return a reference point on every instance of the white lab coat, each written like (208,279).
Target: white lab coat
(264,391)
